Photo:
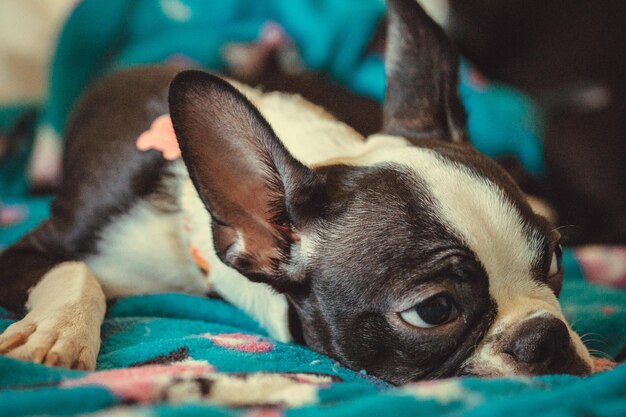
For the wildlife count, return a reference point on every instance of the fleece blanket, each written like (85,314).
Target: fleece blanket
(173,354)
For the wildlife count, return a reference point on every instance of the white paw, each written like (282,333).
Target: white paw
(57,340)
(62,328)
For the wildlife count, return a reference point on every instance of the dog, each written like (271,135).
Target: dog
(407,254)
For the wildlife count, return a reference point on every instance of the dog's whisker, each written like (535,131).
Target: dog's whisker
(600,354)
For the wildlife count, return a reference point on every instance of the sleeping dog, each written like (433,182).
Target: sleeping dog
(407,253)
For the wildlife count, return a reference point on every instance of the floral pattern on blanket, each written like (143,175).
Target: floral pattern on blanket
(174,354)
(193,381)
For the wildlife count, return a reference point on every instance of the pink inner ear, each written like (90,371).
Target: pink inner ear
(239,168)
(161,137)
(254,245)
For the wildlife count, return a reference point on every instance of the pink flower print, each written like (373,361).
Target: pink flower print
(478,81)
(602,364)
(161,137)
(313,379)
(181,61)
(10,215)
(141,384)
(607,310)
(241,342)
(605,265)
(264,412)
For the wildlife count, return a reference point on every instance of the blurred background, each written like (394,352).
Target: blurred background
(570,56)
(543,83)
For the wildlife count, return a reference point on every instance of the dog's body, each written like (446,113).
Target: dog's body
(407,254)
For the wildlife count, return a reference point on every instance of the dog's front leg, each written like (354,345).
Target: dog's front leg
(62,328)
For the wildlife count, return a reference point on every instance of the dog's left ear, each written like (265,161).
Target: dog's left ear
(421,65)
(257,193)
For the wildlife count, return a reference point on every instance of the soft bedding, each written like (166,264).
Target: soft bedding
(174,354)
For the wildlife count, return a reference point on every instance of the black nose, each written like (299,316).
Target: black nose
(540,341)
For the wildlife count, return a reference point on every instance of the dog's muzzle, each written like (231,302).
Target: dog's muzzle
(542,345)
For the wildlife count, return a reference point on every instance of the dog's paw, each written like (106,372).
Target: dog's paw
(56,340)
(63,326)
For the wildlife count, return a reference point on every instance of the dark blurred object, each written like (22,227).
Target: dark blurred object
(17,129)
(272,63)
(571,56)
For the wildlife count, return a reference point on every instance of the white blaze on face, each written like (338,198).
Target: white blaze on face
(476,210)
(479,213)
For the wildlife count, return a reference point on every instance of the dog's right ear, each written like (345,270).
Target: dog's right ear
(258,194)
(421,65)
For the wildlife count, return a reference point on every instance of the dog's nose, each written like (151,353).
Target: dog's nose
(540,340)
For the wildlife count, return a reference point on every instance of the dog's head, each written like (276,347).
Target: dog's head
(419,258)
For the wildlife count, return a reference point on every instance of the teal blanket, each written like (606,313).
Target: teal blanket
(173,354)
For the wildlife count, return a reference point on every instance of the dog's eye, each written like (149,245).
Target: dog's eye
(433,312)
(555,264)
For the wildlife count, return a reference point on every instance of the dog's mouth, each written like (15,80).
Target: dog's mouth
(602,364)
(569,364)
(541,345)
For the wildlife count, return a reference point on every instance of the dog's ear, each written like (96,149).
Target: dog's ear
(255,190)
(421,99)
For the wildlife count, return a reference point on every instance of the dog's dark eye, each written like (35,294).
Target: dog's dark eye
(433,312)
(555,264)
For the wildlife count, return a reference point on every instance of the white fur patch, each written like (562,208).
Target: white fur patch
(438,10)
(142,252)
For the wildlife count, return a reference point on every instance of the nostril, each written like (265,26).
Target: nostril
(560,336)
(564,343)
(533,348)
(539,340)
